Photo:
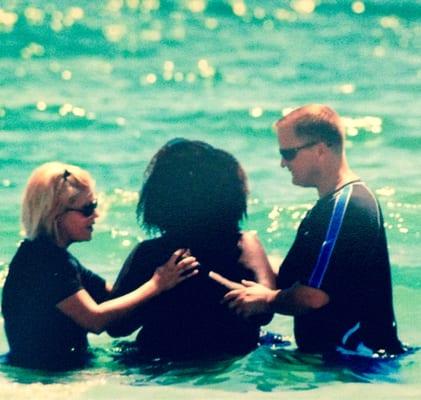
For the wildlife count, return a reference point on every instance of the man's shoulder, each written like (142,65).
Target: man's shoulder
(364,199)
(364,209)
(362,191)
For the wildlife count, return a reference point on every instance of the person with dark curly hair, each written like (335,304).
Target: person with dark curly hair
(194,196)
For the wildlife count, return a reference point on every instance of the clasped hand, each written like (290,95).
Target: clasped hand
(250,300)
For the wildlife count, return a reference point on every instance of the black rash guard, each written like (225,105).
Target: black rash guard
(41,275)
(360,315)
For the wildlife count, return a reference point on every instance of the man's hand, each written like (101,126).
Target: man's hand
(252,299)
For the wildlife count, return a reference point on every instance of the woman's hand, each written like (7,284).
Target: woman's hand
(85,312)
(178,268)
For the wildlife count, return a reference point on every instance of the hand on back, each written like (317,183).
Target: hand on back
(177,269)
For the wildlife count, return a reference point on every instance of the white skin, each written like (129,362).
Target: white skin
(303,168)
(73,227)
(317,166)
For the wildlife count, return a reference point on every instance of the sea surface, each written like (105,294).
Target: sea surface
(104,84)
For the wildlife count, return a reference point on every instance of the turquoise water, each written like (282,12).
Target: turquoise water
(105,84)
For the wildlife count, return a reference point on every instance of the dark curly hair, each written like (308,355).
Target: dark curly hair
(192,187)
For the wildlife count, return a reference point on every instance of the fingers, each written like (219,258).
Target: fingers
(224,281)
(236,301)
(238,307)
(231,296)
(186,261)
(180,259)
(186,266)
(248,283)
(176,255)
(188,275)
(179,253)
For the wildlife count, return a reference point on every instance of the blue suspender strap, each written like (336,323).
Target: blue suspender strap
(328,245)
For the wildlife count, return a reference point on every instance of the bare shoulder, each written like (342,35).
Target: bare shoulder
(253,256)
(250,241)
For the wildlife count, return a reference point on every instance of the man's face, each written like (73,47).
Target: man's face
(300,157)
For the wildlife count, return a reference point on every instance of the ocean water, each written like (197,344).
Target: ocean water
(105,84)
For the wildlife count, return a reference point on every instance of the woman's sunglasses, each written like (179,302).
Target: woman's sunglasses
(87,210)
(291,153)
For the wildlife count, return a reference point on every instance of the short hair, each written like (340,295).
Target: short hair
(190,186)
(51,188)
(316,122)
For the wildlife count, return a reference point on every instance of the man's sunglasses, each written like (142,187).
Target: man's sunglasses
(87,210)
(291,153)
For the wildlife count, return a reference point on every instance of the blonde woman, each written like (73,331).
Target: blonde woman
(50,301)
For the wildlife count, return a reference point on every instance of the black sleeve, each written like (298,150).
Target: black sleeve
(64,279)
(93,284)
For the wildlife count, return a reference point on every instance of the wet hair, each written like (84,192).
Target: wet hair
(316,122)
(51,188)
(189,187)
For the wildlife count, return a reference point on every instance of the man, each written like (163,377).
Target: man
(335,279)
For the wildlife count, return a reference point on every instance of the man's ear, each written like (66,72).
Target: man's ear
(322,149)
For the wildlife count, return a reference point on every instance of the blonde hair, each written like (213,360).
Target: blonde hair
(51,188)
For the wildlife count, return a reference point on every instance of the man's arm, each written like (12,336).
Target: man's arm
(254,299)
(299,299)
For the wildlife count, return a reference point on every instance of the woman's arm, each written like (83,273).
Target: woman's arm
(254,257)
(83,310)
(254,299)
